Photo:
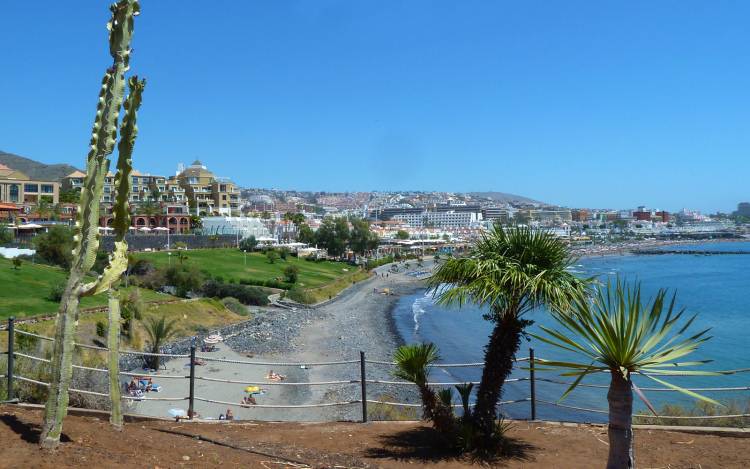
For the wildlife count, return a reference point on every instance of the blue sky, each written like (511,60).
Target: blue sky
(600,104)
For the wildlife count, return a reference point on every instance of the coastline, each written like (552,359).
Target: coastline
(626,248)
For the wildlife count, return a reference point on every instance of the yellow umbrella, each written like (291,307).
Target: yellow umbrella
(252,389)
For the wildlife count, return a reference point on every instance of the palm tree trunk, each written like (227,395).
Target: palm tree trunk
(498,364)
(620,399)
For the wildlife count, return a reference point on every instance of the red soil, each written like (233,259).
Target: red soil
(91,442)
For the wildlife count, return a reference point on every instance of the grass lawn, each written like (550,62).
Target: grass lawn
(230,264)
(24,292)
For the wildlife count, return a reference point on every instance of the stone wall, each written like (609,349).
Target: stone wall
(157,242)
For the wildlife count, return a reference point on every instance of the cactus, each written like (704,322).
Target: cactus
(86,241)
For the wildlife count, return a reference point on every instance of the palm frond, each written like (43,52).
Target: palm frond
(622,334)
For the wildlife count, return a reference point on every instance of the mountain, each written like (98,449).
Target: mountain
(34,169)
(505,198)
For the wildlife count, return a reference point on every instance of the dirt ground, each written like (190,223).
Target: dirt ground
(91,442)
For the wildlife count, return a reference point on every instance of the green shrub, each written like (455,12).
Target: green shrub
(300,295)
(246,295)
(291,273)
(101,329)
(270,283)
(234,305)
(56,292)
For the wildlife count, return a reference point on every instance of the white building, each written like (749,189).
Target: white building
(244,227)
(449,219)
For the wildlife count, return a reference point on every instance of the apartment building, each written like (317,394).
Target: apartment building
(17,188)
(449,219)
(207,193)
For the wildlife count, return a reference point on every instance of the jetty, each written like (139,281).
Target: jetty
(693,252)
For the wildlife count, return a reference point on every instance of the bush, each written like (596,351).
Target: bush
(184,278)
(248,244)
(234,305)
(141,267)
(300,295)
(291,273)
(272,255)
(372,263)
(283,253)
(101,329)
(56,293)
(246,295)
(56,246)
(270,283)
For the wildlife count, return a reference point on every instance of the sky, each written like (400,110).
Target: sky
(583,104)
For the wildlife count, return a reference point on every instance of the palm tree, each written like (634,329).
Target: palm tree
(159,330)
(619,334)
(511,271)
(412,364)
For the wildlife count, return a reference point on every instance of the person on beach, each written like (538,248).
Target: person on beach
(230,415)
(248,400)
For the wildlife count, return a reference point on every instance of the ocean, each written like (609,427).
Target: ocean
(714,287)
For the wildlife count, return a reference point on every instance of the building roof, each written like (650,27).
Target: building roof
(76,174)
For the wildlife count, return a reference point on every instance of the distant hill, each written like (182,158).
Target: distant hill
(505,198)
(35,169)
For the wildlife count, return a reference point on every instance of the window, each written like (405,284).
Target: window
(224,197)
(135,180)
(31,187)
(13,192)
(48,189)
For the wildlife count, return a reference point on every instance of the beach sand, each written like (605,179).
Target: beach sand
(359,319)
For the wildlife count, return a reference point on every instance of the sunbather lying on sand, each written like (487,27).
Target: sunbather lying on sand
(247,401)
(273,376)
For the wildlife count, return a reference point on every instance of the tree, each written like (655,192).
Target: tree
(70,196)
(6,235)
(248,244)
(361,239)
(148,208)
(159,331)
(305,234)
(413,364)
(291,272)
(510,271)
(619,334)
(402,234)
(43,209)
(196,222)
(333,235)
(272,255)
(55,246)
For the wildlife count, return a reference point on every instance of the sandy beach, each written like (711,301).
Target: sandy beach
(359,319)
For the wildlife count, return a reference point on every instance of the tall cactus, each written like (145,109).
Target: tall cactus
(118,261)
(86,241)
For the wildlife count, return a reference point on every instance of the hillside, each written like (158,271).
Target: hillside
(505,198)
(35,169)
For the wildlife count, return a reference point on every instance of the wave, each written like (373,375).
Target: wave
(418,310)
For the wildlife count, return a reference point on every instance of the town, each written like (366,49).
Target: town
(195,200)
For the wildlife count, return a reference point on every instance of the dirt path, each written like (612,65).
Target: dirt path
(91,442)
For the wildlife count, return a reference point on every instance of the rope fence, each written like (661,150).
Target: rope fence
(362,381)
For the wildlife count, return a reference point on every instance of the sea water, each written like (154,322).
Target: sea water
(716,287)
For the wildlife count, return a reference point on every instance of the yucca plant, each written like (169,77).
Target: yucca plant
(510,271)
(413,364)
(618,333)
(159,331)
(464,390)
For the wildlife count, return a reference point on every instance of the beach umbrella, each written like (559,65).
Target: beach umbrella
(30,226)
(177,413)
(161,228)
(145,228)
(252,389)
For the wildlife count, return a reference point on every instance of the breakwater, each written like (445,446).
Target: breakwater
(693,252)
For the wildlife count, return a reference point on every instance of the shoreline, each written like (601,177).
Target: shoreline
(626,248)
